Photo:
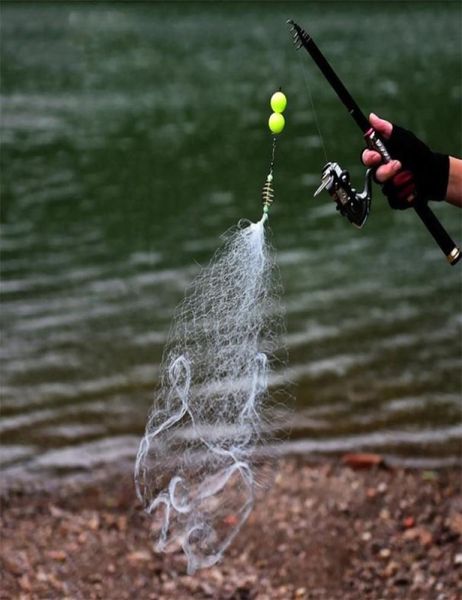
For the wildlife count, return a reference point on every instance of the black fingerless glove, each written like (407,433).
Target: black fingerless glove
(424,175)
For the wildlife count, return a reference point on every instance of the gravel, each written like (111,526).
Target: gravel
(324,531)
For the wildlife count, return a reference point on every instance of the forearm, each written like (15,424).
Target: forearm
(454,191)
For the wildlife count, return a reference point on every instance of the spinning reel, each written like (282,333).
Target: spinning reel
(353,205)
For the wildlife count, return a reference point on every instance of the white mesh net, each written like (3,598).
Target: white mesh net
(195,466)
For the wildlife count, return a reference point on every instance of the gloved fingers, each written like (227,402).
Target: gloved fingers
(370,158)
(401,190)
(405,186)
(382,127)
(387,171)
(403,178)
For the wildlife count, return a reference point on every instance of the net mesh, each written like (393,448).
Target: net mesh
(195,465)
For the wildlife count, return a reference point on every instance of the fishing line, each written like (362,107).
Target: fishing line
(304,69)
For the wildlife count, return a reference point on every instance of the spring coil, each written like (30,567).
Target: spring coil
(267,192)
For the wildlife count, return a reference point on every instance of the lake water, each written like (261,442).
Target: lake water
(133,135)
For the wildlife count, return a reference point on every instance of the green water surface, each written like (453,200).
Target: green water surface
(134,134)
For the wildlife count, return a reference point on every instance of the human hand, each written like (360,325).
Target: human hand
(371,158)
(415,175)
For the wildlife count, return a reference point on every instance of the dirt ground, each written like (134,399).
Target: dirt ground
(323,532)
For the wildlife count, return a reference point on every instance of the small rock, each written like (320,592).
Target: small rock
(384,514)
(24,583)
(391,569)
(13,565)
(455,523)
(425,537)
(435,552)
(385,553)
(371,493)
(419,533)
(408,522)
(122,523)
(362,460)
(458,559)
(207,589)
(366,536)
(42,576)
(419,578)
(230,520)
(139,556)
(93,522)
(169,586)
(58,555)
(216,575)
(55,583)
(57,512)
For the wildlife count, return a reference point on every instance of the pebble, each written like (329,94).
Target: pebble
(139,555)
(371,493)
(408,522)
(391,569)
(384,514)
(455,522)
(25,584)
(382,487)
(13,565)
(419,578)
(418,533)
(58,555)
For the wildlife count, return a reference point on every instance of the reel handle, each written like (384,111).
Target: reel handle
(427,216)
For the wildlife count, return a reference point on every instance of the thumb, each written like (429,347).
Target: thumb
(380,125)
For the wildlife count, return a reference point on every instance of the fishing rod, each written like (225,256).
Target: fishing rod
(351,204)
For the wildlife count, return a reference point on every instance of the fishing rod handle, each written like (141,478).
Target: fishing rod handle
(374,142)
(427,216)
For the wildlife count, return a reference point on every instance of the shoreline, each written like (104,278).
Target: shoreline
(322,531)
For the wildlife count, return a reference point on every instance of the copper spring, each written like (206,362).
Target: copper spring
(267,192)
